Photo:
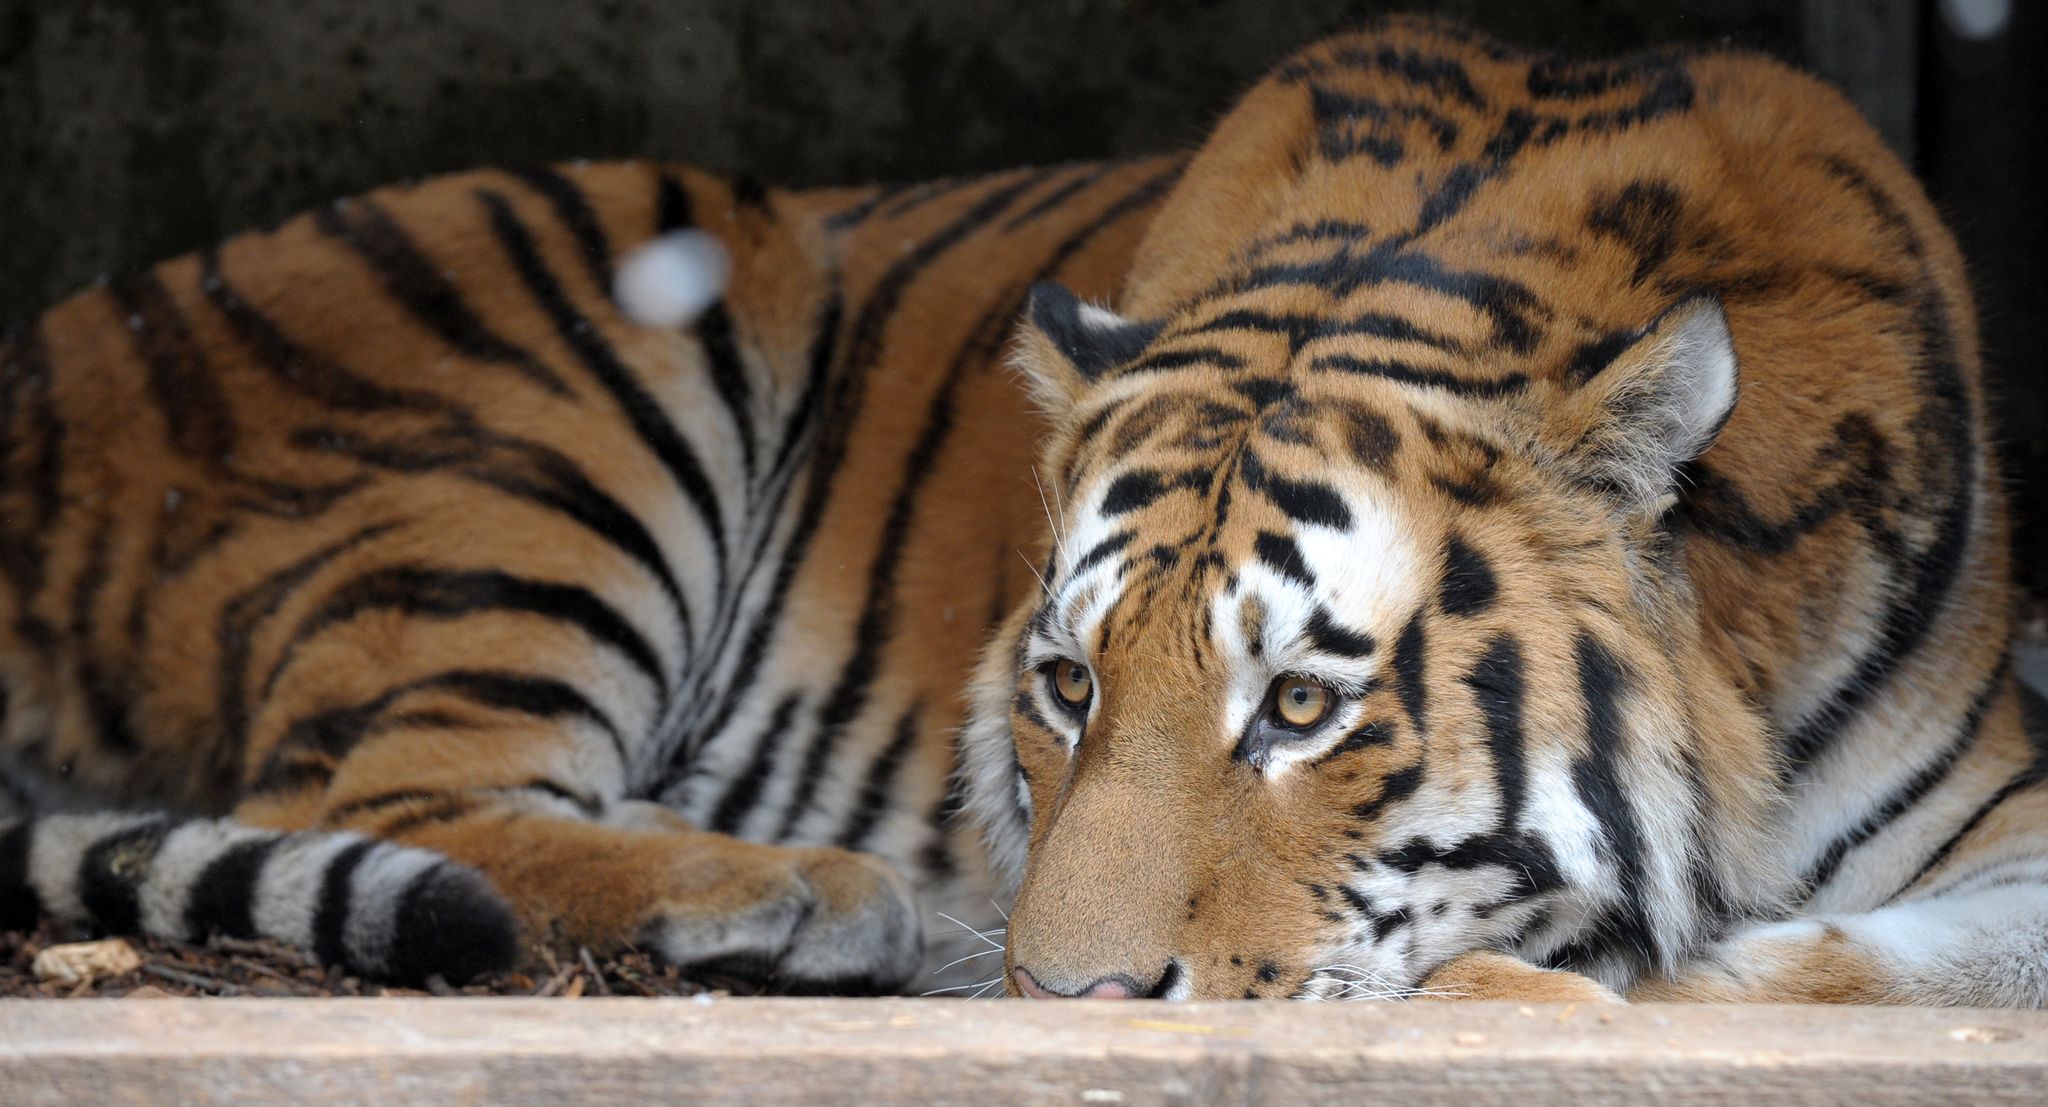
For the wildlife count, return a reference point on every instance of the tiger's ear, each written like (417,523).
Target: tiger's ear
(1066,344)
(1643,403)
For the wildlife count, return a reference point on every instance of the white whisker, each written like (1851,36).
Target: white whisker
(1042,586)
(969,957)
(982,934)
(981,985)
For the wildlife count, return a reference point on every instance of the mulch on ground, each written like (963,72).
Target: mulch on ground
(232,967)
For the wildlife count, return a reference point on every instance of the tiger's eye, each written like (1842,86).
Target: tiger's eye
(1071,681)
(1302,703)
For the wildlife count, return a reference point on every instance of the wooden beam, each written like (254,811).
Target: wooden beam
(766,1051)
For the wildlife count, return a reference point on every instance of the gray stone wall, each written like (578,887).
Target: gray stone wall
(131,130)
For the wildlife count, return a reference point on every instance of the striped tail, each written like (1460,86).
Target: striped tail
(379,909)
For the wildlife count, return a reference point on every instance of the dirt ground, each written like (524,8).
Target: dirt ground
(228,967)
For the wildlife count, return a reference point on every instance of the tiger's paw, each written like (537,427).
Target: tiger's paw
(800,921)
(1486,975)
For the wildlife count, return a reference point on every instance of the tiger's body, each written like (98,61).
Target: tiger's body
(389,521)
(1595,452)
(1530,533)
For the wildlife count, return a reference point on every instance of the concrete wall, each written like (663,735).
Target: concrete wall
(132,130)
(135,129)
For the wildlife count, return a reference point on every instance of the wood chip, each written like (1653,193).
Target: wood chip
(84,962)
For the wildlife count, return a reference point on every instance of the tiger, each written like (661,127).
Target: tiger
(1527,530)
(590,555)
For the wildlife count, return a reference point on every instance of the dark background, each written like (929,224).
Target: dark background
(135,129)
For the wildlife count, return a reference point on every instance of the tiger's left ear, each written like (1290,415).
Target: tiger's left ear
(1065,344)
(1640,404)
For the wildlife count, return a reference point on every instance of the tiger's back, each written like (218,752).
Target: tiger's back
(391,522)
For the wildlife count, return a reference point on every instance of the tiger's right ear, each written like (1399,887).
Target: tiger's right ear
(1066,344)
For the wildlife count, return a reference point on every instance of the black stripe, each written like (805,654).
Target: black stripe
(1307,501)
(1403,373)
(672,207)
(1279,553)
(1394,787)
(445,810)
(1101,552)
(728,376)
(1082,180)
(1331,637)
(748,193)
(428,593)
(541,697)
(1163,360)
(1468,586)
(20,907)
(714,330)
(932,192)
(573,208)
(105,696)
(1915,788)
(1408,672)
(1438,74)
(1497,685)
(745,790)
(563,487)
(223,899)
(852,216)
(111,873)
(1597,778)
(234,635)
(1370,733)
(427,294)
(878,790)
(2026,778)
(328,736)
(344,814)
(1133,491)
(197,416)
(525,470)
(320,378)
(330,914)
(649,422)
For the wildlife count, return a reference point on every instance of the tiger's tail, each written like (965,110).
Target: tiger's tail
(379,909)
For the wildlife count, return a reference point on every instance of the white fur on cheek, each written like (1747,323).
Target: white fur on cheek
(672,280)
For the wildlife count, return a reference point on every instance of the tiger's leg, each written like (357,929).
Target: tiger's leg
(581,866)
(1968,928)
(1501,977)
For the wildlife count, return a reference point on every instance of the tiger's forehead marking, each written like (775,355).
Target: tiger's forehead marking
(1320,588)
(1312,582)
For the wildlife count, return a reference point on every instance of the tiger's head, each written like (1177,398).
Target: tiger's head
(1364,637)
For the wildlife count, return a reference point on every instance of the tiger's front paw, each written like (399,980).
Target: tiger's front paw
(805,921)
(1487,975)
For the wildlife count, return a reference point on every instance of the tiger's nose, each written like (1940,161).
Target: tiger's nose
(1114,986)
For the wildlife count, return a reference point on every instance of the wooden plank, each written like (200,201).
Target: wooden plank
(768,1051)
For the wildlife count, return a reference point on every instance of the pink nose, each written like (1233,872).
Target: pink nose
(1106,988)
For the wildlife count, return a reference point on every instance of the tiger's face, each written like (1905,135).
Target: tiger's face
(1334,670)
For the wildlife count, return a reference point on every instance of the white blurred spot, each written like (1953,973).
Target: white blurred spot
(1977,20)
(672,280)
